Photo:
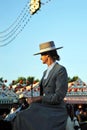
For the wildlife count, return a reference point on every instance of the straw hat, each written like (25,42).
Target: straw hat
(47,46)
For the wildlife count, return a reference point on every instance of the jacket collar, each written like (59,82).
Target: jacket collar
(53,70)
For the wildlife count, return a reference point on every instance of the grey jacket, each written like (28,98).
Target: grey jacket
(54,88)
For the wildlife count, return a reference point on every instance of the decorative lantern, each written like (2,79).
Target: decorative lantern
(34,6)
(5,81)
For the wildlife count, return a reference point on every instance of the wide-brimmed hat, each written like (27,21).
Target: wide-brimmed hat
(47,46)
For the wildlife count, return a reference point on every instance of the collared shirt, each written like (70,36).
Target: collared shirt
(49,69)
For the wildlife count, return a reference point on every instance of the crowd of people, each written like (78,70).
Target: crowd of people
(81,114)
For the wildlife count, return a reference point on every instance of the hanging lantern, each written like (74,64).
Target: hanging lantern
(34,6)
(75,89)
(84,84)
(5,81)
(78,84)
(3,86)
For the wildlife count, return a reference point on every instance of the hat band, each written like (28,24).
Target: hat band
(47,49)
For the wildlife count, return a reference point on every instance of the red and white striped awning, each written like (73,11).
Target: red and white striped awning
(76,99)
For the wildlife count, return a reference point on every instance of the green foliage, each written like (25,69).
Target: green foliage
(37,80)
(29,80)
(72,79)
(1,79)
(22,79)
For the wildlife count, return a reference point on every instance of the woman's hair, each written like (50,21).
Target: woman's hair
(52,54)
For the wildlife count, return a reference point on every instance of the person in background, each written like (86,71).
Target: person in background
(47,111)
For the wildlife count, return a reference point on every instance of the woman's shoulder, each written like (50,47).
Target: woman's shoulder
(59,66)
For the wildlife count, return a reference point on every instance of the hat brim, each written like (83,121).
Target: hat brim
(48,50)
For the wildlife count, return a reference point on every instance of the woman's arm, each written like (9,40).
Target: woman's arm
(34,99)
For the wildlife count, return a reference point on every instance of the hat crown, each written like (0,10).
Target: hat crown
(46,45)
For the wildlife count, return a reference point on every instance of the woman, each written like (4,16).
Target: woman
(47,111)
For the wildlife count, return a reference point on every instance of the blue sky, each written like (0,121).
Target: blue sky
(63,21)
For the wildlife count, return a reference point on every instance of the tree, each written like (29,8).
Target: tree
(1,79)
(72,79)
(30,79)
(69,79)
(21,80)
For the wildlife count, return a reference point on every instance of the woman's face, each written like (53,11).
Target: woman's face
(44,58)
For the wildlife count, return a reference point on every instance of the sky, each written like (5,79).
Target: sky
(61,21)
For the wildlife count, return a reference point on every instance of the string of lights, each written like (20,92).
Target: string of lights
(17,19)
(12,32)
(9,34)
(15,34)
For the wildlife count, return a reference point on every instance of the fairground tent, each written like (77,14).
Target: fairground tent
(77,92)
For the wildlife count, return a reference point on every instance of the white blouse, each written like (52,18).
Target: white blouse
(49,69)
